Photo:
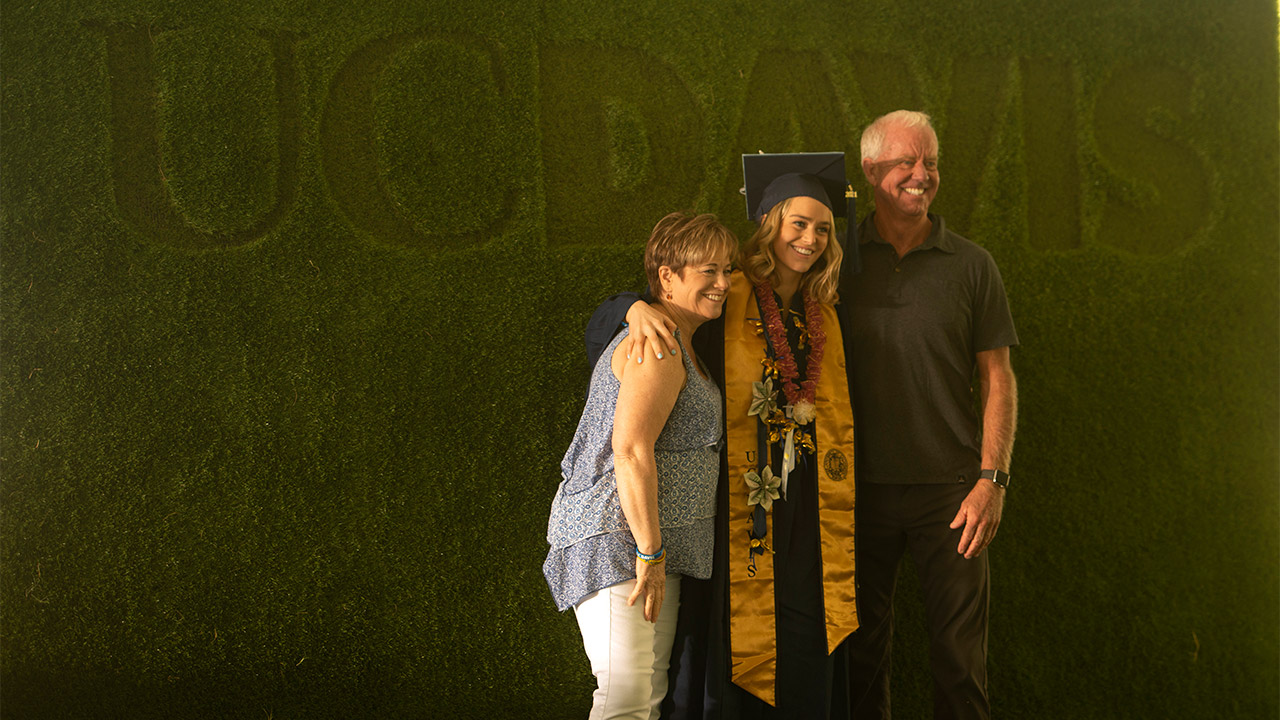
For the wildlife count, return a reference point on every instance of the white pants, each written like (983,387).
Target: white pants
(629,655)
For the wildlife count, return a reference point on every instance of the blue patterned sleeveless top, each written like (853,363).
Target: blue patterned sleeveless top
(591,545)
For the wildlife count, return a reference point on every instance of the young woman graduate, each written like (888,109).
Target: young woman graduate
(762,638)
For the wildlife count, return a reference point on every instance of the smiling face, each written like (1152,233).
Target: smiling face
(905,175)
(698,289)
(802,237)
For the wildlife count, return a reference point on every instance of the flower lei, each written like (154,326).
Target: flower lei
(763,488)
(799,397)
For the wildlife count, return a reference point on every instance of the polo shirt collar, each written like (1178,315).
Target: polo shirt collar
(939,238)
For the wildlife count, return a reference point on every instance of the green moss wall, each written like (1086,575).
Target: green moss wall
(293,295)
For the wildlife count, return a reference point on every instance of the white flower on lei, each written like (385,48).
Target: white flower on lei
(803,412)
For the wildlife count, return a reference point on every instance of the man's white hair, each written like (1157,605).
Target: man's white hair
(873,136)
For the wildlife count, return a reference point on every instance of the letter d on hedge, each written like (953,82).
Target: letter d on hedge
(621,144)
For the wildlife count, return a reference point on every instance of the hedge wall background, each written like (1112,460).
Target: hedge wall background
(293,295)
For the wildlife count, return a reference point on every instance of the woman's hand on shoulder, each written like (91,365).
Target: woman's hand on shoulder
(649,333)
(646,394)
(648,376)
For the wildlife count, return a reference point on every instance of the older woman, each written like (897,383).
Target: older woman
(764,638)
(635,510)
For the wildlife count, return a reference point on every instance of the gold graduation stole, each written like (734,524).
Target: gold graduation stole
(752,614)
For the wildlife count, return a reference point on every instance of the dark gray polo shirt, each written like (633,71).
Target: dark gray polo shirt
(916,325)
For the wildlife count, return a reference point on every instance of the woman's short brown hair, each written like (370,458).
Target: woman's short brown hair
(682,239)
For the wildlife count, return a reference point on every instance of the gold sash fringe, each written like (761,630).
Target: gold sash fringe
(752,621)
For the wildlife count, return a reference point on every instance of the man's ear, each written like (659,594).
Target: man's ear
(867,167)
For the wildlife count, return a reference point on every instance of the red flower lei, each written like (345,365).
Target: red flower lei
(778,339)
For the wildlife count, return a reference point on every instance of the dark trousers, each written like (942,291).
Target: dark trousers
(892,519)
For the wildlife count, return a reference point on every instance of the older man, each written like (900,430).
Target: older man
(928,313)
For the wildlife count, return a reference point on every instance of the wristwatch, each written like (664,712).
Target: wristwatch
(998,477)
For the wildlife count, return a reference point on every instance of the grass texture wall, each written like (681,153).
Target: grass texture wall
(293,295)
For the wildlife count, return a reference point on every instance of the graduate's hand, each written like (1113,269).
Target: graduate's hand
(980,516)
(651,333)
(651,583)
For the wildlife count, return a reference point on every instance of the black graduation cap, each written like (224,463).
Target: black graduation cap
(770,178)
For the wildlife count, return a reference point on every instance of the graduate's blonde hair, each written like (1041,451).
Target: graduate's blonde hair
(758,262)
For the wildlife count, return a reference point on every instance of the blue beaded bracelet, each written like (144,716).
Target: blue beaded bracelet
(653,559)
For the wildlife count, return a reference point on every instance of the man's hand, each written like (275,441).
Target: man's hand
(649,329)
(980,516)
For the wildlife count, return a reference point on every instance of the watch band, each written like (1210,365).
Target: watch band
(998,477)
